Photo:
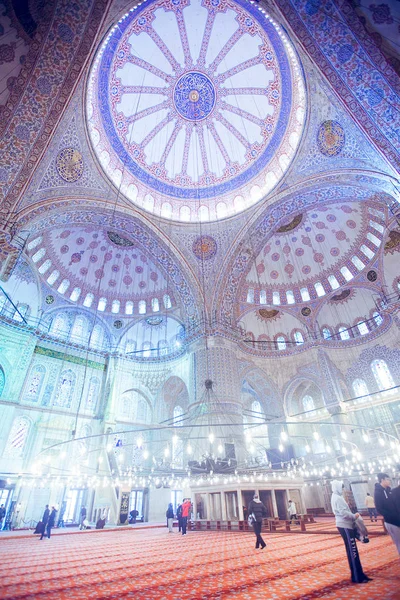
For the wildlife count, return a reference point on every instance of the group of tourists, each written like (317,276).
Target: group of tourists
(351,527)
(182,514)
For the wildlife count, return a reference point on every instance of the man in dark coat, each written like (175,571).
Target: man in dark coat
(51,521)
(387,506)
(41,527)
(259,510)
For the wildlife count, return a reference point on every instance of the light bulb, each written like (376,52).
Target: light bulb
(220,448)
(211,437)
(139,442)
(281,448)
(189,449)
(284,436)
(308,449)
(316,435)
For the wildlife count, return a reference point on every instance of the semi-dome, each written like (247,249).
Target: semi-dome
(195,109)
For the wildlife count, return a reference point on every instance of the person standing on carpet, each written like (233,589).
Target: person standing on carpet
(370,504)
(345,522)
(186,506)
(292,511)
(82,517)
(179,517)
(258,509)
(170,518)
(388,505)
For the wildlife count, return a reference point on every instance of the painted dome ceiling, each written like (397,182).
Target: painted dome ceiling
(195,107)
(85,265)
(326,247)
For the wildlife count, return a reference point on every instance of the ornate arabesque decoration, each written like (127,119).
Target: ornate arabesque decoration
(266,314)
(69,164)
(330,138)
(295,222)
(118,240)
(393,242)
(339,297)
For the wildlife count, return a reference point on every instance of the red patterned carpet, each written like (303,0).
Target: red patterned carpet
(150,563)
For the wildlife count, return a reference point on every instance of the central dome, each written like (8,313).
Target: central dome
(195,107)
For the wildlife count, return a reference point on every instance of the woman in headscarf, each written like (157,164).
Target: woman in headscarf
(258,509)
(345,522)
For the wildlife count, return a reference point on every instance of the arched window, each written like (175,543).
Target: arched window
(305,294)
(60,325)
(281,342)
(17,438)
(163,348)
(326,332)
(38,255)
(256,412)
(79,329)
(319,288)
(97,337)
(146,347)
(347,274)
(21,313)
(115,306)
(344,333)
(101,306)
(308,403)
(382,374)
(64,285)
(141,410)
(129,307)
(333,282)
(45,266)
(360,388)
(167,301)
(3,300)
(377,318)
(142,307)
(177,452)
(65,389)
(35,383)
(362,327)
(263,297)
(93,391)
(34,243)
(178,414)
(2,381)
(52,278)
(76,292)
(357,262)
(298,337)
(290,297)
(130,346)
(276,299)
(88,300)
(155,305)
(250,295)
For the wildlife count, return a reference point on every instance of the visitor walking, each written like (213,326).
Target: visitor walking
(292,511)
(82,517)
(186,506)
(170,518)
(370,504)
(258,510)
(389,507)
(50,522)
(2,515)
(179,517)
(345,521)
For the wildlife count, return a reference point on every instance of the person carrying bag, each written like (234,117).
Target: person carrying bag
(257,511)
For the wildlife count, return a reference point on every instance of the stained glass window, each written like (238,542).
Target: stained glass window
(35,383)
(88,300)
(79,329)
(362,327)
(308,403)
(97,336)
(93,391)
(155,305)
(326,332)
(281,342)
(305,294)
(250,295)
(141,411)
(142,307)
(298,337)
(178,413)
(167,301)
(17,438)
(382,374)
(333,282)
(344,333)
(2,381)
(65,389)
(360,388)
(60,325)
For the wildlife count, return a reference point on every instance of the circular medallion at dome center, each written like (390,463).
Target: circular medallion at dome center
(194,96)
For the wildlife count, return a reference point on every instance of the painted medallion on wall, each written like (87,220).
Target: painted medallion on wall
(69,164)
(330,138)
(204,247)
(195,107)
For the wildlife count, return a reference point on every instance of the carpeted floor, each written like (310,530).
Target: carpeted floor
(151,563)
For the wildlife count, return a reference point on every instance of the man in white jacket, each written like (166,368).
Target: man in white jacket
(345,521)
